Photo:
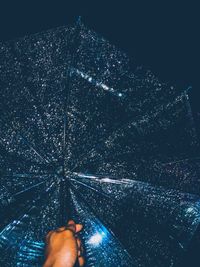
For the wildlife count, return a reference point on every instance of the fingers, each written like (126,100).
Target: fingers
(79,227)
(81,261)
(48,235)
(71,226)
(81,258)
(80,247)
(74,227)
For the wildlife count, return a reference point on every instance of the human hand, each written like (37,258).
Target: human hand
(63,247)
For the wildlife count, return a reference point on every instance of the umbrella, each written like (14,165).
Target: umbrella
(84,136)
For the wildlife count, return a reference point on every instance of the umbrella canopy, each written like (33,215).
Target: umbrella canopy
(83,136)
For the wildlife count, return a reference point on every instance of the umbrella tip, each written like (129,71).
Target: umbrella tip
(79,20)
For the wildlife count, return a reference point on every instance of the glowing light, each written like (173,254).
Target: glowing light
(94,82)
(97,239)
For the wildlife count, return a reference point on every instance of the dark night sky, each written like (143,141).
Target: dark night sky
(161,36)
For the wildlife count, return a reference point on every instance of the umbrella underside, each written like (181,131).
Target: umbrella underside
(83,136)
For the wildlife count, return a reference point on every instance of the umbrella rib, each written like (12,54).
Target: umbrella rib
(71,55)
(41,109)
(32,148)
(9,227)
(18,157)
(27,175)
(67,97)
(103,140)
(96,217)
(29,188)
(179,161)
(90,187)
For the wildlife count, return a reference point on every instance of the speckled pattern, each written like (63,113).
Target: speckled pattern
(82,135)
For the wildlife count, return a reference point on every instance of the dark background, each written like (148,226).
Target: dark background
(160,35)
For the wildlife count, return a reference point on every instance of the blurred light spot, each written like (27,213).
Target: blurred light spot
(97,238)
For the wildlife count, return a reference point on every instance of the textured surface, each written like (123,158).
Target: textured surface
(84,136)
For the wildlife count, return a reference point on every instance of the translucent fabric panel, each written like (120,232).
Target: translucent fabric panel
(120,115)
(22,240)
(154,224)
(166,136)
(102,247)
(33,75)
